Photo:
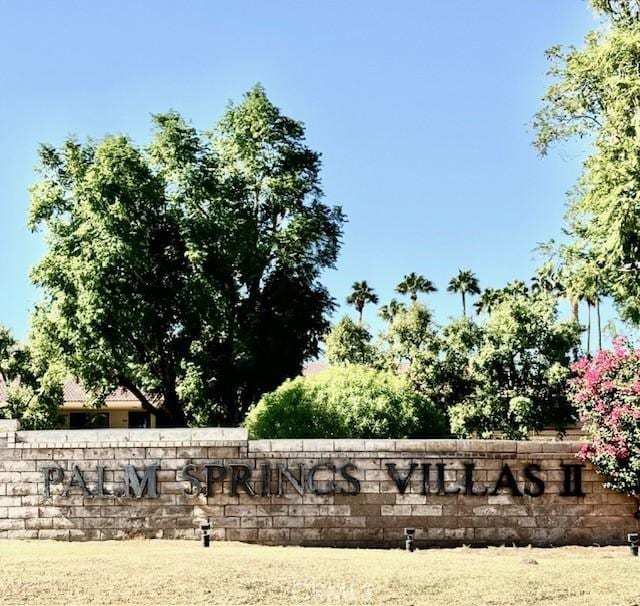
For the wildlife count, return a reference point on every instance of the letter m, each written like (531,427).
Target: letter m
(133,483)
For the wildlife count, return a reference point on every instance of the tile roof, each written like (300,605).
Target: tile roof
(315,367)
(74,392)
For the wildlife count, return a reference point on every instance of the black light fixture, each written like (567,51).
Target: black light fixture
(634,542)
(204,530)
(409,536)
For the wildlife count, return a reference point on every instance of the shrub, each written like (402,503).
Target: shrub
(606,392)
(348,402)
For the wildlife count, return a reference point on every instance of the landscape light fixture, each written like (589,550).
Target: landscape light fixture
(409,535)
(204,530)
(634,541)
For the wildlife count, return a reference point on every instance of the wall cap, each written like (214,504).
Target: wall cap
(98,436)
(9,425)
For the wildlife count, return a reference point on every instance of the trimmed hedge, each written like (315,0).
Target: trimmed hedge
(345,402)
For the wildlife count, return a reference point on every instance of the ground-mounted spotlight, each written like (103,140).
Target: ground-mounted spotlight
(409,536)
(634,542)
(205,527)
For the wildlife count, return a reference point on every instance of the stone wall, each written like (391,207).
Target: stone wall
(82,485)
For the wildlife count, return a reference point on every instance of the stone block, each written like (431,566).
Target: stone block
(310,445)
(263,446)
(242,534)
(286,446)
(9,425)
(12,524)
(349,445)
(22,534)
(426,510)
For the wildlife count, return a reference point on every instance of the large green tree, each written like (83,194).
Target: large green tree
(518,370)
(596,95)
(187,271)
(349,342)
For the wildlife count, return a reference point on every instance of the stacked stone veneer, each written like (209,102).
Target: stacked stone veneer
(376,516)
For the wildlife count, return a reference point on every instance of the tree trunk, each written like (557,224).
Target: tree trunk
(173,408)
(170,414)
(599,324)
(575,312)
(588,328)
(464,305)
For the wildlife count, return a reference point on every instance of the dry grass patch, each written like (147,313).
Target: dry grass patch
(167,572)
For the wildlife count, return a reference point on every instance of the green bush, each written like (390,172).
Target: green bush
(346,402)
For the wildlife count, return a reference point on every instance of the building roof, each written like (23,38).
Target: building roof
(74,392)
(315,367)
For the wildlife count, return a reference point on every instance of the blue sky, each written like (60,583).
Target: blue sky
(421,110)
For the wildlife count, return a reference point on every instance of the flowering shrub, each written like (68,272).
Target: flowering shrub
(606,392)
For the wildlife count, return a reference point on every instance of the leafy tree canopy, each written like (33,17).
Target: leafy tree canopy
(33,386)
(518,370)
(505,376)
(187,270)
(596,94)
(349,342)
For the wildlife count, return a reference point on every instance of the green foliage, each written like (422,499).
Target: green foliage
(349,342)
(596,94)
(33,386)
(506,376)
(487,300)
(388,311)
(188,270)
(353,402)
(618,10)
(409,345)
(453,378)
(520,371)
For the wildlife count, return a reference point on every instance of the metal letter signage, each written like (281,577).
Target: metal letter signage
(322,478)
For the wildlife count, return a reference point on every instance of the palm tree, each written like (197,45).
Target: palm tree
(465,282)
(389,311)
(540,283)
(488,300)
(516,288)
(361,294)
(547,280)
(589,305)
(412,284)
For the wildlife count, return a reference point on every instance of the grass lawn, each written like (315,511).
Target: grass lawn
(168,572)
